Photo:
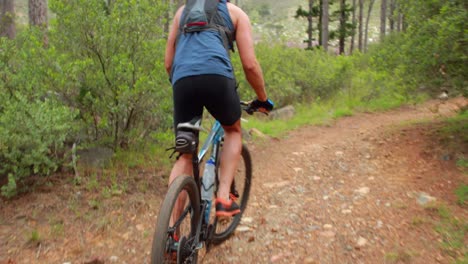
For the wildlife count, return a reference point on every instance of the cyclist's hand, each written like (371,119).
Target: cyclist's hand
(261,106)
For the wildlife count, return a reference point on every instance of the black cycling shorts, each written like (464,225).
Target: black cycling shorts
(216,93)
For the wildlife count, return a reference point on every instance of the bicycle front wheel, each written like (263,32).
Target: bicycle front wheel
(240,188)
(182,204)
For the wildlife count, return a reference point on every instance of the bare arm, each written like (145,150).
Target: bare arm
(171,41)
(245,45)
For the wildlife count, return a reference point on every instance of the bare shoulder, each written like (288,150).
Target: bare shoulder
(236,13)
(179,13)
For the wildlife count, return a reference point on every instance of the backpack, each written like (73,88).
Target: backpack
(203,15)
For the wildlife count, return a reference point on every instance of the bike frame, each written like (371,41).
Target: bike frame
(214,138)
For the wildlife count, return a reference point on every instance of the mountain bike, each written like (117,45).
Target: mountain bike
(193,230)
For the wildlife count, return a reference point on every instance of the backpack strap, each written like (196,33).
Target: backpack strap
(203,15)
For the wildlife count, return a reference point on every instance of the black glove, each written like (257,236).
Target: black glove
(261,106)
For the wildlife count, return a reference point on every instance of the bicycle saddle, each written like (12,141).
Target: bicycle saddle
(194,124)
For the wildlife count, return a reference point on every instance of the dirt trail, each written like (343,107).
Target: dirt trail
(347,192)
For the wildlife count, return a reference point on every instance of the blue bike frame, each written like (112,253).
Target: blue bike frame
(215,137)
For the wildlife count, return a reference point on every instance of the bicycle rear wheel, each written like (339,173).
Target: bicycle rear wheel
(165,248)
(239,188)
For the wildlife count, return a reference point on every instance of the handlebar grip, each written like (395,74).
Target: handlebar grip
(247,107)
(250,109)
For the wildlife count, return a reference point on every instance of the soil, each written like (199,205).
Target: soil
(370,188)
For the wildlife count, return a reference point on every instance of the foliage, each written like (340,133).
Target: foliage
(101,79)
(294,75)
(35,237)
(462,194)
(453,135)
(399,256)
(110,67)
(433,51)
(453,232)
(305,114)
(314,12)
(101,74)
(34,124)
(345,28)
(32,136)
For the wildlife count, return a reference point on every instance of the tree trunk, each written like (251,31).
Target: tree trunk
(393,15)
(38,13)
(342,29)
(371,4)
(325,20)
(361,24)
(319,22)
(38,17)
(310,28)
(7,19)
(404,25)
(353,35)
(383,19)
(399,18)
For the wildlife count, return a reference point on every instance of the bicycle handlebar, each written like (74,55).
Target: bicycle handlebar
(247,107)
(250,109)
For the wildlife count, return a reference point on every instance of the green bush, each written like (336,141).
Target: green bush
(34,123)
(109,63)
(32,136)
(293,75)
(432,53)
(101,77)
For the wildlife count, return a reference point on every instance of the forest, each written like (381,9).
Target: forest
(78,74)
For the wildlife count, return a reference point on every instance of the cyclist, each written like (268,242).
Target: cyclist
(202,75)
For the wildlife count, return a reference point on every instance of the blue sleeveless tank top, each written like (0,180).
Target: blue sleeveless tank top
(203,52)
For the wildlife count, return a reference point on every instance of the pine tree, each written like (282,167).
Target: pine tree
(310,14)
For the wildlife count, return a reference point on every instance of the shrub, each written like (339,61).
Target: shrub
(293,74)
(33,121)
(432,52)
(110,67)
(32,136)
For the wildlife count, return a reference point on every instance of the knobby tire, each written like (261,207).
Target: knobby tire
(180,184)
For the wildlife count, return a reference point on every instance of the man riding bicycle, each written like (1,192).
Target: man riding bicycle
(202,75)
